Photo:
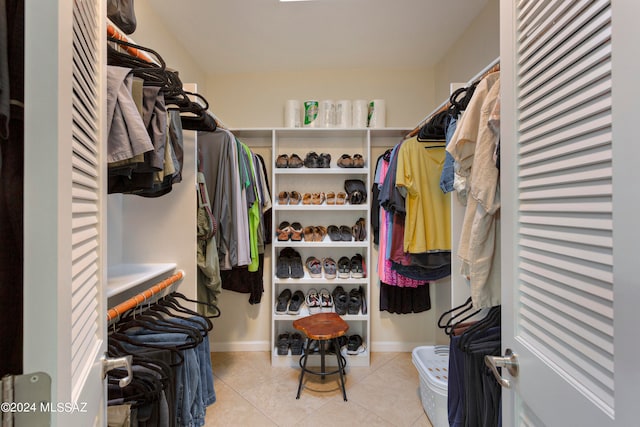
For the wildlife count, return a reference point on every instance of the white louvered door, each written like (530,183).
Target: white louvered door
(570,237)
(65,205)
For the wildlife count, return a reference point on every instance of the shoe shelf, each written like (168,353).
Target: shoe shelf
(315,171)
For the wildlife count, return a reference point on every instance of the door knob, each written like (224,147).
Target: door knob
(109,364)
(509,361)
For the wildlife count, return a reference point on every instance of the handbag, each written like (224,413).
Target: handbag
(122,13)
(356,191)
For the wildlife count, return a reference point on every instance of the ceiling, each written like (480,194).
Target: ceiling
(235,36)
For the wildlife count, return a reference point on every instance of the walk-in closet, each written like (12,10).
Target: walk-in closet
(301,212)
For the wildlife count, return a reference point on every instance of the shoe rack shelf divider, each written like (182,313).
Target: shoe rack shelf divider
(336,142)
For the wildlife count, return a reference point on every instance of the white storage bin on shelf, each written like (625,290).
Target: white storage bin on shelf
(432,363)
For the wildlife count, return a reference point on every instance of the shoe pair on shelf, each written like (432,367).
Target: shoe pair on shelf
(314,160)
(288,303)
(285,161)
(286,231)
(359,230)
(315,267)
(319,301)
(351,268)
(314,233)
(346,161)
(313,198)
(289,264)
(339,234)
(355,345)
(352,302)
(291,341)
(289,198)
(336,199)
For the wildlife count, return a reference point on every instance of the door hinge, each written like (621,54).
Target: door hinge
(25,400)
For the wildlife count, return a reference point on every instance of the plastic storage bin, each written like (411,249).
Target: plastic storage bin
(432,363)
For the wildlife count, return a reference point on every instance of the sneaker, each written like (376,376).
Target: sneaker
(340,300)
(295,343)
(283,344)
(313,301)
(357,270)
(344,268)
(326,302)
(355,345)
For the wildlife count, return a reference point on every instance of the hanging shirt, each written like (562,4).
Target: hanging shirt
(428,219)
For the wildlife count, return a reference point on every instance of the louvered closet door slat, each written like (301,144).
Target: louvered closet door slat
(564,232)
(581,44)
(85,191)
(563,301)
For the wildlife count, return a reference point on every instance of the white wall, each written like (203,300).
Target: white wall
(151,32)
(258,99)
(477,47)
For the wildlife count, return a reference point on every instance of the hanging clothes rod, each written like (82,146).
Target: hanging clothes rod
(114,32)
(142,297)
(491,68)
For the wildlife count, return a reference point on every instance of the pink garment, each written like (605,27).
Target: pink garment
(386,274)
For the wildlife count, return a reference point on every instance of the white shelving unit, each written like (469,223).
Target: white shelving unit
(336,142)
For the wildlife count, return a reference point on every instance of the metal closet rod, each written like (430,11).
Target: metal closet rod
(143,297)
(491,68)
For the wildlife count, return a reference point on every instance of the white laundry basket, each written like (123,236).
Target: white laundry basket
(432,363)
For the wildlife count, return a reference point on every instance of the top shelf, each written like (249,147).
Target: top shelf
(267,133)
(123,277)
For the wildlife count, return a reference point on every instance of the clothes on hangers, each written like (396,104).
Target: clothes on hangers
(173,381)
(238,188)
(472,147)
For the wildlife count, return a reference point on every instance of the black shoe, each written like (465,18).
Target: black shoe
(340,300)
(325,160)
(354,345)
(283,344)
(296,302)
(355,302)
(312,160)
(283,301)
(296,342)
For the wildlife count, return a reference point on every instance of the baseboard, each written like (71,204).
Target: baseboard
(376,346)
(395,346)
(240,346)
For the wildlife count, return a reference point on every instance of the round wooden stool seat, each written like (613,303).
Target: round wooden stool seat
(324,328)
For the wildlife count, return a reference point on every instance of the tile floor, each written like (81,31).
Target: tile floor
(250,392)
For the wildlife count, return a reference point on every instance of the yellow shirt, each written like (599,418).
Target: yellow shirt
(428,217)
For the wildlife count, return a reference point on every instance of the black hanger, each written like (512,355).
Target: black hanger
(208,304)
(126,338)
(465,306)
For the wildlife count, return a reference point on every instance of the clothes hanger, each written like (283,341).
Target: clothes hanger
(465,306)
(165,304)
(492,319)
(125,338)
(208,304)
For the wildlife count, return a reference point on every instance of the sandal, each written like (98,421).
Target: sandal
(283,198)
(294,198)
(344,268)
(318,233)
(283,267)
(329,266)
(295,265)
(334,233)
(295,161)
(306,199)
(358,161)
(282,161)
(345,233)
(296,231)
(341,198)
(284,231)
(308,234)
(296,302)
(314,266)
(317,198)
(331,198)
(345,161)
(283,301)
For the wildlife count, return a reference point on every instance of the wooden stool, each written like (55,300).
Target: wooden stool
(324,328)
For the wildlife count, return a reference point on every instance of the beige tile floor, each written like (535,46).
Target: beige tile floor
(250,392)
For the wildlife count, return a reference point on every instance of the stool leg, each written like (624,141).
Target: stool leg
(322,353)
(303,359)
(341,367)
